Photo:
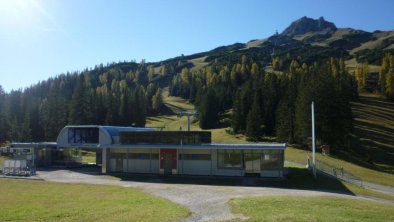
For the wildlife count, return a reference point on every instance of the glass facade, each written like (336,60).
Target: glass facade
(124,154)
(230,159)
(83,135)
(272,159)
(165,137)
(194,157)
(252,161)
(139,156)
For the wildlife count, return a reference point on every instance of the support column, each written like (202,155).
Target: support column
(104,161)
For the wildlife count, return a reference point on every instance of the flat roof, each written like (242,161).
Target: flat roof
(244,146)
(34,145)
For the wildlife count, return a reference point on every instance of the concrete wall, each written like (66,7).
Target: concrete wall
(130,165)
(194,167)
(271,173)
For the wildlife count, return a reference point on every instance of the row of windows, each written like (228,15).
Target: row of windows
(225,158)
(136,156)
(194,157)
(234,159)
(165,137)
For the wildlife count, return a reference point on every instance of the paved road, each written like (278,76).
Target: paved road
(207,202)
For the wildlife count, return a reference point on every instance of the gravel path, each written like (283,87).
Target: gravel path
(206,202)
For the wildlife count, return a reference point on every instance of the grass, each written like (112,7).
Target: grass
(360,191)
(366,174)
(374,126)
(88,156)
(46,201)
(318,208)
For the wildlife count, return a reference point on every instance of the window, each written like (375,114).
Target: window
(229,159)
(139,156)
(271,160)
(194,156)
(118,155)
(154,156)
(83,135)
(165,137)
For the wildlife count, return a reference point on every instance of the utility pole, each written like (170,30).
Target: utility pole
(188,115)
(313,139)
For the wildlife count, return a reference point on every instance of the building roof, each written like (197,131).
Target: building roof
(34,145)
(247,146)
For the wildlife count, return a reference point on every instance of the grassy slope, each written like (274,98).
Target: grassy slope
(374,125)
(366,174)
(46,201)
(172,122)
(319,208)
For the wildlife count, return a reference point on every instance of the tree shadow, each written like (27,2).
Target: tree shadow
(297,178)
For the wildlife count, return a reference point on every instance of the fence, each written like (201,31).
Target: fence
(337,172)
(17,168)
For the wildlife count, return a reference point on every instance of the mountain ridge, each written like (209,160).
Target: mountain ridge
(320,37)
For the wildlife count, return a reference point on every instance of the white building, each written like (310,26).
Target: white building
(144,150)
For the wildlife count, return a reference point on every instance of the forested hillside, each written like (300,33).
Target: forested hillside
(117,94)
(270,104)
(262,89)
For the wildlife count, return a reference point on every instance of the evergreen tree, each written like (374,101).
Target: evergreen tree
(25,134)
(77,106)
(285,113)
(270,95)
(4,123)
(254,127)
(157,100)
(140,102)
(208,110)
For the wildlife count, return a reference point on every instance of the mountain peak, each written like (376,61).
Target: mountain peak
(305,25)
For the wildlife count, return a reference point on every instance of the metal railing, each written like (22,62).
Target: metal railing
(337,172)
(17,168)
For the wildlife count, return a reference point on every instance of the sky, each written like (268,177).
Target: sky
(44,38)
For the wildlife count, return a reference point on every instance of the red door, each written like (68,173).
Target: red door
(168,160)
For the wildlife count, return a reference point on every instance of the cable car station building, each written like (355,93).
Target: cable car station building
(144,150)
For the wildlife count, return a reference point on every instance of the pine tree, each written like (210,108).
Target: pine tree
(157,100)
(25,133)
(302,120)
(77,106)
(140,102)
(254,127)
(208,110)
(390,85)
(384,69)
(270,96)
(4,123)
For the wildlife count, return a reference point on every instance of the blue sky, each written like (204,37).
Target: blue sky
(43,38)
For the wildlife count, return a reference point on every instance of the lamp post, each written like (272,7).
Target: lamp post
(188,115)
(313,139)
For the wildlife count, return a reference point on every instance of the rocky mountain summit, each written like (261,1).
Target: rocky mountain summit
(305,25)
